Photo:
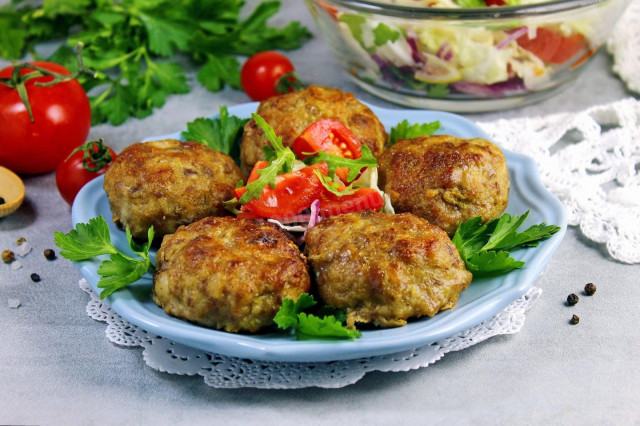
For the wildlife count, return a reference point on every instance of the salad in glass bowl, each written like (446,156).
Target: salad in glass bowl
(465,55)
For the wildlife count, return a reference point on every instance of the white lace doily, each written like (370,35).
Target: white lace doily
(589,160)
(228,372)
(624,45)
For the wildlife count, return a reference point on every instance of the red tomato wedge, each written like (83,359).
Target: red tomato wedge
(552,47)
(569,47)
(363,199)
(329,136)
(293,193)
(545,44)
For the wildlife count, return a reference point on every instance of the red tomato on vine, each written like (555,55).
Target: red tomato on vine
(85,163)
(44,115)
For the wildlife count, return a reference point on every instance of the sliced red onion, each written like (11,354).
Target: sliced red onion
(315,213)
(514,35)
(496,90)
(416,55)
(313,219)
(445,52)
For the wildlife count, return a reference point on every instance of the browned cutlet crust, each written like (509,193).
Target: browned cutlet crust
(227,273)
(384,269)
(168,183)
(445,179)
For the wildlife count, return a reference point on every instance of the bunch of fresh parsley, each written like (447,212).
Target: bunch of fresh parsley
(132,44)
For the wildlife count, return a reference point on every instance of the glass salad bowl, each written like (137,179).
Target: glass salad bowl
(465,55)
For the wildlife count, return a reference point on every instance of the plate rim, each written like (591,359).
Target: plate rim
(290,350)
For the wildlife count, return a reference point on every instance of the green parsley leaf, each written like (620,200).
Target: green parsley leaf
(333,187)
(404,130)
(485,248)
(219,70)
(313,327)
(219,133)
(86,241)
(309,326)
(354,165)
(283,163)
(92,239)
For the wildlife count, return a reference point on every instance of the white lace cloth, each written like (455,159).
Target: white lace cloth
(228,372)
(624,45)
(589,160)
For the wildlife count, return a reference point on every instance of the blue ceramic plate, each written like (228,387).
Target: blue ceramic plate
(483,299)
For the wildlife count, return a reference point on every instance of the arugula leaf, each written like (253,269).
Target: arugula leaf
(124,39)
(309,326)
(404,130)
(282,163)
(333,187)
(485,248)
(218,133)
(354,165)
(92,239)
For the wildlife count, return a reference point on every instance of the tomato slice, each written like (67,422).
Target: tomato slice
(332,137)
(545,44)
(293,193)
(552,47)
(569,47)
(363,199)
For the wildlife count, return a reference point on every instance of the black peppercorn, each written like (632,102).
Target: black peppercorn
(35,277)
(575,319)
(50,254)
(572,299)
(589,289)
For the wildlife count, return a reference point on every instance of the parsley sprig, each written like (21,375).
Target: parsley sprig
(404,130)
(92,239)
(485,248)
(220,133)
(129,44)
(309,326)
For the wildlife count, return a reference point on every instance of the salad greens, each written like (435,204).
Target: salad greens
(282,163)
(221,133)
(332,186)
(353,164)
(129,44)
(92,239)
(309,326)
(485,247)
(404,130)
